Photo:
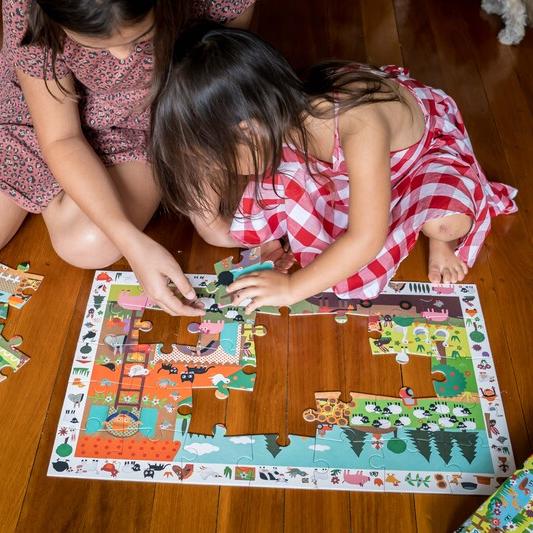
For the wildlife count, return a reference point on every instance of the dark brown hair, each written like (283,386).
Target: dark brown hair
(221,78)
(47,18)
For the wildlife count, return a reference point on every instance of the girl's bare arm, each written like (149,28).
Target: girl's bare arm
(366,146)
(71,159)
(211,226)
(85,179)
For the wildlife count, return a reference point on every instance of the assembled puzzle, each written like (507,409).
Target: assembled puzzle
(128,405)
(16,288)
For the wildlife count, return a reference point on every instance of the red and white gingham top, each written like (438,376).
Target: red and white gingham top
(436,177)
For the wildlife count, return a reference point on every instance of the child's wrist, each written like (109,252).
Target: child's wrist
(294,290)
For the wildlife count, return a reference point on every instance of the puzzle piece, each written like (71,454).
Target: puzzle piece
(227,272)
(16,287)
(10,357)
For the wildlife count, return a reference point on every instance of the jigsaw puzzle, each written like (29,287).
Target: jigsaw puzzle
(16,288)
(128,405)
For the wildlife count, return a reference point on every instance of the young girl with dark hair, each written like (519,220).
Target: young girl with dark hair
(75,84)
(350,165)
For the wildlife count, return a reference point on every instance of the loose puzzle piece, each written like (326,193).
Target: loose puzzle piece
(10,357)
(227,273)
(16,288)
(128,405)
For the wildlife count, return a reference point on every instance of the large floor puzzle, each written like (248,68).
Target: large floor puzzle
(128,405)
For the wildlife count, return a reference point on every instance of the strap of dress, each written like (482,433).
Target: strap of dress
(336,140)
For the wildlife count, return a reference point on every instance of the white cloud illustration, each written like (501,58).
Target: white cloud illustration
(319,447)
(201,448)
(242,440)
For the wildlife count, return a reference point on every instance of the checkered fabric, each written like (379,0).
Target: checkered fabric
(434,178)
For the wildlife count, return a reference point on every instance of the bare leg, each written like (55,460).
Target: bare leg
(10,220)
(443,233)
(78,240)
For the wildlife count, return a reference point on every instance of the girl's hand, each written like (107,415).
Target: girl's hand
(280,254)
(154,266)
(266,287)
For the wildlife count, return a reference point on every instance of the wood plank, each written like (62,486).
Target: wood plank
(24,396)
(380,33)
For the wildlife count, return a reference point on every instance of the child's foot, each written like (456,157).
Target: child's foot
(444,265)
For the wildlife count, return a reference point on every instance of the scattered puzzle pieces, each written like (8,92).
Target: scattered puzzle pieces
(16,288)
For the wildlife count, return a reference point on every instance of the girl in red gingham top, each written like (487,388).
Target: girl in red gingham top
(350,166)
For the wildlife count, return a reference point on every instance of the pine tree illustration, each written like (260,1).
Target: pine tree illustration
(422,442)
(467,442)
(521,519)
(356,439)
(444,443)
(97,300)
(272,446)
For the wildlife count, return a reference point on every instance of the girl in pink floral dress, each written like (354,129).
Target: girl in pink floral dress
(350,166)
(75,80)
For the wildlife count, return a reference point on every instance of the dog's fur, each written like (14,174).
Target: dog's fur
(516,14)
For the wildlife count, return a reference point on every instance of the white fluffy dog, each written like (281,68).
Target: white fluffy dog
(515,15)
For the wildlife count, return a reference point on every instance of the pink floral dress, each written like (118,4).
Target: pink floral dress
(112,101)
(436,177)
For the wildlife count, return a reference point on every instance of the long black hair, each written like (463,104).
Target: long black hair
(99,18)
(220,79)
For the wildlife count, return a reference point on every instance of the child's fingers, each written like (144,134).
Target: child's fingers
(243,282)
(256,303)
(167,301)
(244,294)
(182,284)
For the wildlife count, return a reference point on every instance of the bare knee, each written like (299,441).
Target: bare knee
(447,228)
(11,219)
(89,249)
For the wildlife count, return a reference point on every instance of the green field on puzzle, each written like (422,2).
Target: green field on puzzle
(128,405)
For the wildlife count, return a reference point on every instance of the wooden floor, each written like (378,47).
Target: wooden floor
(447,43)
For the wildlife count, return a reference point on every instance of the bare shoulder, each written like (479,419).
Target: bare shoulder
(364,124)
(400,122)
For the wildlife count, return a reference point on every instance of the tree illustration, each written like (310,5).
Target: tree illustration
(467,442)
(97,300)
(356,439)
(421,441)
(227,472)
(272,446)
(444,443)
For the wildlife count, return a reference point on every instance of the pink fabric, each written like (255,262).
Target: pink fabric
(112,107)
(436,177)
